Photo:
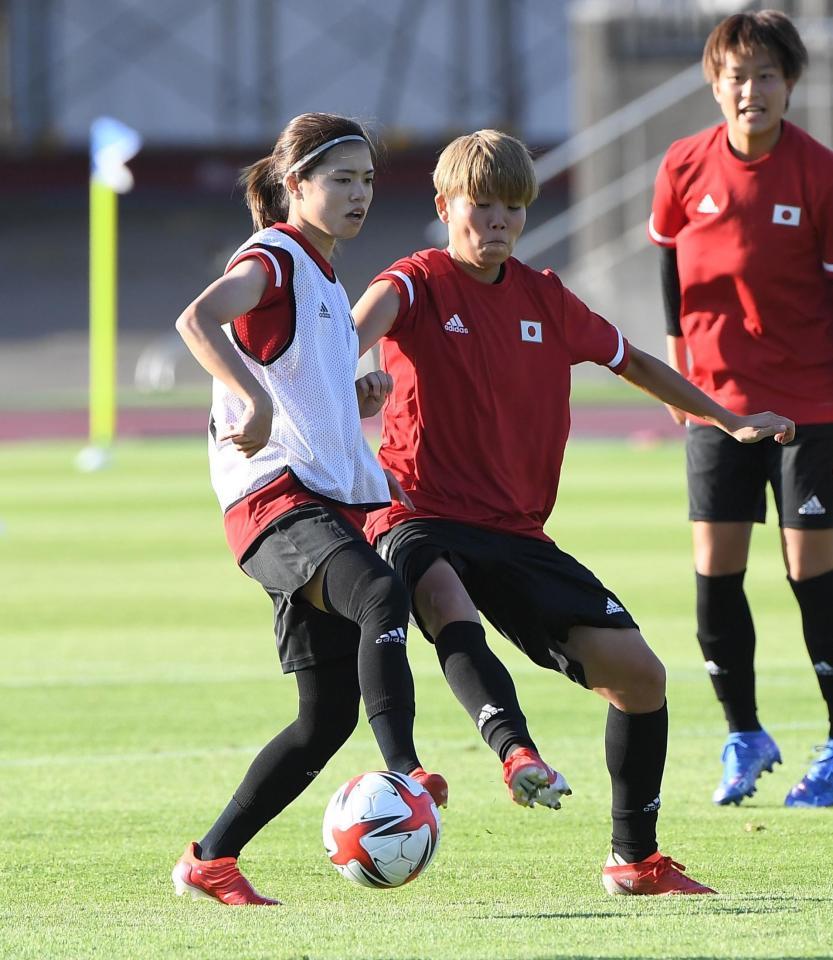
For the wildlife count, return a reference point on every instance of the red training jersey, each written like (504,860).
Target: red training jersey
(478,420)
(755,257)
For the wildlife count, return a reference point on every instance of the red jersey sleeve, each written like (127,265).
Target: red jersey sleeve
(265,331)
(406,276)
(826,230)
(589,337)
(667,214)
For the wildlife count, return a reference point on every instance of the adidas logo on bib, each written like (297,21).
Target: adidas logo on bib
(324,313)
(613,607)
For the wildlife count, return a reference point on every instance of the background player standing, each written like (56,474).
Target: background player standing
(294,477)
(480,347)
(744,212)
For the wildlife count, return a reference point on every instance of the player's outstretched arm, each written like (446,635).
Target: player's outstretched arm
(660,381)
(375,313)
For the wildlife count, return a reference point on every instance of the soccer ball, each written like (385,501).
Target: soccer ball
(381,829)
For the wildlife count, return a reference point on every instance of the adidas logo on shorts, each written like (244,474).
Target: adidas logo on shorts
(397,635)
(613,607)
(823,668)
(812,508)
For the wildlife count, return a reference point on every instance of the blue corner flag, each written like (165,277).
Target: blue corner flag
(112,144)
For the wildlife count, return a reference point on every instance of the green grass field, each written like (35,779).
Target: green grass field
(140,678)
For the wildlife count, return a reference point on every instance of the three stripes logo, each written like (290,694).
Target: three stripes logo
(613,607)
(397,635)
(455,325)
(324,313)
(812,508)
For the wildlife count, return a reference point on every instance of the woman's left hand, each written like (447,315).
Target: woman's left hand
(372,390)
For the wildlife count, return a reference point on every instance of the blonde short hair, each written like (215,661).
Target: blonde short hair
(486,163)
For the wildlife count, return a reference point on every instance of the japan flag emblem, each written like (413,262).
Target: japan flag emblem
(531,331)
(789,216)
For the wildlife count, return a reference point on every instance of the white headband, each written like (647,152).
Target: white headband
(324,146)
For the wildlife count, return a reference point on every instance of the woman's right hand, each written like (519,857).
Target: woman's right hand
(254,428)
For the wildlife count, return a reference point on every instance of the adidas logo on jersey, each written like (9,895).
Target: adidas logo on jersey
(812,508)
(324,313)
(455,325)
(397,635)
(707,205)
(823,668)
(613,607)
(486,713)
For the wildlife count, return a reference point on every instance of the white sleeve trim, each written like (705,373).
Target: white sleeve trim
(620,349)
(250,252)
(408,283)
(658,237)
(827,266)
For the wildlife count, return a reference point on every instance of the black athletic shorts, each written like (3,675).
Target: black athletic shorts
(727,480)
(283,560)
(529,590)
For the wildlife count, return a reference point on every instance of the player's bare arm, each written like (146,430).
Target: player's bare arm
(677,360)
(375,313)
(658,379)
(372,390)
(200,324)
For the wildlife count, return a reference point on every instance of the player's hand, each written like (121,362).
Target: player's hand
(397,494)
(678,416)
(761,425)
(254,429)
(372,390)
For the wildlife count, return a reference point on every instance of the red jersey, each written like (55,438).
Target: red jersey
(477,424)
(755,257)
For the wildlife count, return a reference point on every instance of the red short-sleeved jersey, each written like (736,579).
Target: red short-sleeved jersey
(476,427)
(754,247)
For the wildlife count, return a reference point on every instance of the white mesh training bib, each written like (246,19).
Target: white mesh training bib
(316,429)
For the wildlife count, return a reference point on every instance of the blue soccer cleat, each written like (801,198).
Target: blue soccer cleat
(745,757)
(816,788)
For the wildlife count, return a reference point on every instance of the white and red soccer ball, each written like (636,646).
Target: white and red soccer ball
(381,829)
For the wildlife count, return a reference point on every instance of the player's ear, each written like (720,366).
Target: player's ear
(716,91)
(293,186)
(441,203)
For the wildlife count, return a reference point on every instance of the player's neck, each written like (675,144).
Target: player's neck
(485,274)
(750,148)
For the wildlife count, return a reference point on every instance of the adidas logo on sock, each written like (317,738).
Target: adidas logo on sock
(613,607)
(487,711)
(812,508)
(653,806)
(713,670)
(455,325)
(324,313)
(397,635)
(823,668)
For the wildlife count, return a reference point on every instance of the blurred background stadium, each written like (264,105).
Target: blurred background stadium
(598,88)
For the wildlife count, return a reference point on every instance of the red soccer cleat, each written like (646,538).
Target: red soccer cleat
(434,783)
(656,875)
(215,880)
(531,780)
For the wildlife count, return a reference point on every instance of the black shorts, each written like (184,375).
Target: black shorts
(727,480)
(529,590)
(283,560)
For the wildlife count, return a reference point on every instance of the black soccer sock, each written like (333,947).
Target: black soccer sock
(635,748)
(483,686)
(815,599)
(727,638)
(328,709)
(361,587)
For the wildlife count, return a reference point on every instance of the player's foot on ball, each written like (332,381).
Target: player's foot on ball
(746,755)
(434,783)
(657,876)
(815,789)
(215,880)
(531,781)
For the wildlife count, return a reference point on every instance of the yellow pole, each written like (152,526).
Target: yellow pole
(103,288)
